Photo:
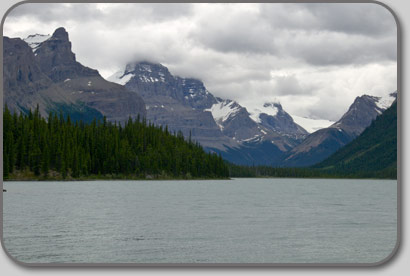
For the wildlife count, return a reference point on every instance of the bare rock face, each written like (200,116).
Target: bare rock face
(49,76)
(22,76)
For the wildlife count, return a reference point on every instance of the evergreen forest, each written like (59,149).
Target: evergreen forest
(59,148)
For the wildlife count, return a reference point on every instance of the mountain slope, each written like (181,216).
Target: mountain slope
(322,143)
(372,153)
(48,75)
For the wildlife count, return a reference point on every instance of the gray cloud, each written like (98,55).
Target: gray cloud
(367,19)
(339,48)
(237,31)
(290,85)
(55,12)
(109,14)
(314,58)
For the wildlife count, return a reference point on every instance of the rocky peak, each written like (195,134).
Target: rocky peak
(195,94)
(142,74)
(272,116)
(60,34)
(149,72)
(361,113)
(56,59)
(152,79)
(57,48)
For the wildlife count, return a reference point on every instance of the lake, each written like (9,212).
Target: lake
(204,221)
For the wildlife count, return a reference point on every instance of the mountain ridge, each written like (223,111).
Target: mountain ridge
(43,70)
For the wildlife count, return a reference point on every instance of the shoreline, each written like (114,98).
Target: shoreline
(178,179)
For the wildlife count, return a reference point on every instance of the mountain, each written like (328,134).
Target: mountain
(220,125)
(322,143)
(175,102)
(43,71)
(261,125)
(272,116)
(372,154)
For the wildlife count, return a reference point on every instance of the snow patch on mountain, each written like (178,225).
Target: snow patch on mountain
(35,40)
(270,108)
(312,125)
(120,78)
(222,110)
(386,102)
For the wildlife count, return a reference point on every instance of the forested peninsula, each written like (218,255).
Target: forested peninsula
(59,149)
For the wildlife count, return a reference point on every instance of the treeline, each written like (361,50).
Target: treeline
(136,149)
(307,172)
(267,171)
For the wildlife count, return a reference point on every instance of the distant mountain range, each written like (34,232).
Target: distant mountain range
(42,69)
(268,135)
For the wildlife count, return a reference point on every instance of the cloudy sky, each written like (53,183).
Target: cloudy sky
(313,58)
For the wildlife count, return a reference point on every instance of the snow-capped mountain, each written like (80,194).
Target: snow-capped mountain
(234,121)
(273,117)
